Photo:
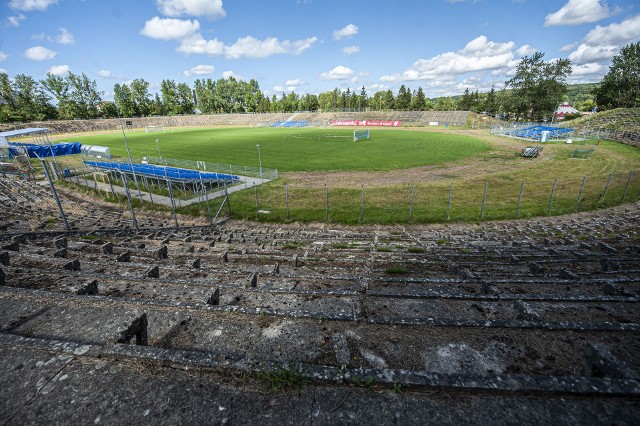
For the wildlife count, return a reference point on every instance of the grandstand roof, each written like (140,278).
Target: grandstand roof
(24,132)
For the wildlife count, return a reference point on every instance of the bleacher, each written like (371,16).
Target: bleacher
(290,124)
(163,172)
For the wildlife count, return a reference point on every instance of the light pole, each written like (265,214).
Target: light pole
(158,146)
(260,161)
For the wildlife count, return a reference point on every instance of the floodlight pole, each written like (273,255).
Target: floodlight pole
(135,179)
(260,161)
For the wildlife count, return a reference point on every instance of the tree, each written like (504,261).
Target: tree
(158,107)
(419,102)
(59,88)
(364,99)
(108,109)
(403,101)
(84,94)
(185,102)
(620,87)
(123,100)
(490,104)
(467,100)
(539,86)
(7,98)
(140,96)
(388,100)
(169,91)
(33,101)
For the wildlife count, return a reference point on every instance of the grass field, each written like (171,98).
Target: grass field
(297,149)
(407,174)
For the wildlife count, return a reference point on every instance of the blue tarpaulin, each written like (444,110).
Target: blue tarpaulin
(59,149)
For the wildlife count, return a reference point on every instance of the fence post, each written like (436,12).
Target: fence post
(362,205)
(111,185)
(286,198)
(146,182)
(126,191)
(226,196)
(626,187)
(326,210)
(206,196)
(413,193)
(484,198)
(55,194)
(606,187)
(449,203)
(553,189)
(584,181)
(255,187)
(173,204)
(519,200)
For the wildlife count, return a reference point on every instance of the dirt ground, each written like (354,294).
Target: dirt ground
(503,151)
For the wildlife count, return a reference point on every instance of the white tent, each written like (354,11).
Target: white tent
(565,109)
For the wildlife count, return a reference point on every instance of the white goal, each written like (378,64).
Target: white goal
(360,134)
(151,129)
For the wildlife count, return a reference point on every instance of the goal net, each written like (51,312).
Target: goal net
(151,129)
(360,134)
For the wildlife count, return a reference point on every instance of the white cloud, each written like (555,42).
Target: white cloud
(3,56)
(346,32)
(526,50)
(295,82)
(568,47)
(350,50)
(197,45)
(27,5)
(209,8)
(65,37)
(603,43)
(39,53)
(587,69)
(337,73)
(169,29)
(14,21)
(585,53)
(59,69)
(617,33)
(478,55)
(200,70)
(2,70)
(105,73)
(245,47)
(390,78)
(250,47)
(229,74)
(577,12)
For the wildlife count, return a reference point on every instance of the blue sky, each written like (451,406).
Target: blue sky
(311,46)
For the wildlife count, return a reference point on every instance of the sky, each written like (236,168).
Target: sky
(312,46)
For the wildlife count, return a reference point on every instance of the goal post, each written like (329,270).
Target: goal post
(151,129)
(360,134)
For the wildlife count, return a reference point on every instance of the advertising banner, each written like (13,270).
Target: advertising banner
(371,123)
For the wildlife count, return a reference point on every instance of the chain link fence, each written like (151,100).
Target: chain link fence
(437,202)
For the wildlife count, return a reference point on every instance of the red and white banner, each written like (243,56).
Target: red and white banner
(372,123)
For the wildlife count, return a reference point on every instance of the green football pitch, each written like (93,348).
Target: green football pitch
(308,149)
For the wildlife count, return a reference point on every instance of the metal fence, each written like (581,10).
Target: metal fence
(233,169)
(119,200)
(479,200)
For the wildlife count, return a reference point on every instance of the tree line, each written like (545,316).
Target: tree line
(533,93)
